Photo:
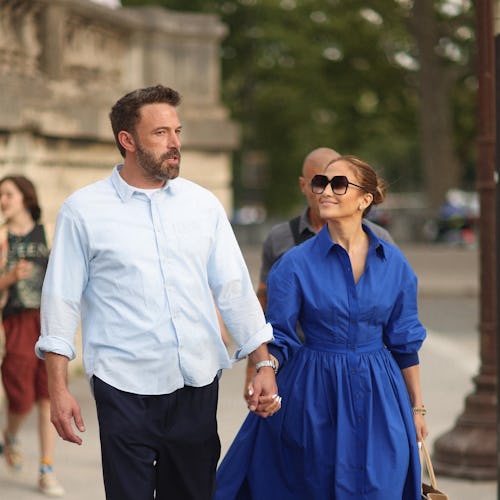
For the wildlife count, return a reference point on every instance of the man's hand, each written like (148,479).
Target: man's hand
(63,409)
(63,406)
(249,375)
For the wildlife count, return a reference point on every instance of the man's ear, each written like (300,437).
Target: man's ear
(302,184)
(127,141)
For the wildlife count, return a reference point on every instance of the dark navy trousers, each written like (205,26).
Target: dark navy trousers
(158,447)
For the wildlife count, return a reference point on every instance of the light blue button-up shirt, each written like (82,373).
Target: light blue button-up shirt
(143,272)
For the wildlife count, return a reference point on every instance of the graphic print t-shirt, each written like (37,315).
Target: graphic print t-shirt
(26,293)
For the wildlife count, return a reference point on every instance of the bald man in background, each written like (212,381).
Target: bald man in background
(288,234)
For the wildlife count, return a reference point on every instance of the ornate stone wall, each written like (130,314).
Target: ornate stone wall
(63,63)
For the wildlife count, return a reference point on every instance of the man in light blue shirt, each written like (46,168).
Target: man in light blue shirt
(141,257)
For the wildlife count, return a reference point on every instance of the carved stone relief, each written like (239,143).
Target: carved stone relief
(92,53)
(19,40)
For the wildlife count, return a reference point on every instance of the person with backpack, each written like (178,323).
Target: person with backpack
(287,235)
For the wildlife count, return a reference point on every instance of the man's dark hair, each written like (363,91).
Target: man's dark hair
(30,198)
(125,113)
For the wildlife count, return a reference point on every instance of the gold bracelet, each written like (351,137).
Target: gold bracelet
(419,410)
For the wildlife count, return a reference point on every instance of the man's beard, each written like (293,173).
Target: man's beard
(154,166)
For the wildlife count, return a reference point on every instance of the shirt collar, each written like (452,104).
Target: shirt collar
(126,191)
(376,244)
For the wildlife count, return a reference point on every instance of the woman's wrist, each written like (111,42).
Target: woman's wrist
(419,410)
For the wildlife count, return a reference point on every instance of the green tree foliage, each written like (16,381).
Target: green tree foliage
(299,74)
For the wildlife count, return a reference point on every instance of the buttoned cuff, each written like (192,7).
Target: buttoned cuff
(405,360)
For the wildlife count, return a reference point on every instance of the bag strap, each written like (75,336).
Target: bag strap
(299,237)
(425,459)
(294,228)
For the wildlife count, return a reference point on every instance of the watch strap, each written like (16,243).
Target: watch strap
(266,362)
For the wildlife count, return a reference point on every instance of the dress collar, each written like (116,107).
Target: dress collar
(376,244)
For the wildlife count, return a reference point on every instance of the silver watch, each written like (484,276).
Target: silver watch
(267,362)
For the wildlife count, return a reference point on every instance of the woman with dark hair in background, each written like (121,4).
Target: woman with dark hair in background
(23,260)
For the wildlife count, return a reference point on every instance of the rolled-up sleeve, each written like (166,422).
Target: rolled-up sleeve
(233,291)
(63,286)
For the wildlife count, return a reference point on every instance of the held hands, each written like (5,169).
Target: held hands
(262,393)
(249,375)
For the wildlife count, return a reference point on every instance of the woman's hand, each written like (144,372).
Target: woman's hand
(22,270)
(420,427)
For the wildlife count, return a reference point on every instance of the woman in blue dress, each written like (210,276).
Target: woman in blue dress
(352,412)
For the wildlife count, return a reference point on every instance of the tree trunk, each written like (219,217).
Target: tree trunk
(441,167)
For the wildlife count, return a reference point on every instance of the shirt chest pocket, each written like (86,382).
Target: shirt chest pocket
(193,237)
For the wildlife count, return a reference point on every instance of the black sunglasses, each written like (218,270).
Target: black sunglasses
(338,183)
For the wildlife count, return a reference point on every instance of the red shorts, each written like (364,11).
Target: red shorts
(24,376)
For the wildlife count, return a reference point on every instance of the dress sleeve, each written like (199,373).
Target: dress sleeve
(283,307)
(404,333)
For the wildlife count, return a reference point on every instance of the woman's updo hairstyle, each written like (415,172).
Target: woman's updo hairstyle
(367,178)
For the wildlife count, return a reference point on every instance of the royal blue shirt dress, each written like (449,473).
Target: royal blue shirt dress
(345,430)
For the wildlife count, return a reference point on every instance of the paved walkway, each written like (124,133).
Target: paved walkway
(441,271)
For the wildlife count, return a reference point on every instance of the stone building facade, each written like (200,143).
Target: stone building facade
(63,63)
